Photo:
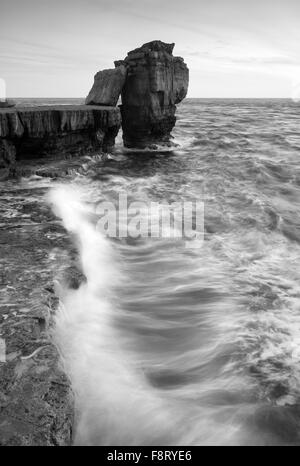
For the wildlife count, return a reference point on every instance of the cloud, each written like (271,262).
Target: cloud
(236,58)
(266,60)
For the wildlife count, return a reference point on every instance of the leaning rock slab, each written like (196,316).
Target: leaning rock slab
(107,87)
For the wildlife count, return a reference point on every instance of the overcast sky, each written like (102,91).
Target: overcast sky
(234,48)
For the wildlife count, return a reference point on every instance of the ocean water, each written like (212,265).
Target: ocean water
(169,345)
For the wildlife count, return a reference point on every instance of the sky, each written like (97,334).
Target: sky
(233,48)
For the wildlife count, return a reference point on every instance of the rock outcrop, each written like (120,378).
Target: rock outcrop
(151,81)
(107,87)
(156,81)
(31,132)
(36,398)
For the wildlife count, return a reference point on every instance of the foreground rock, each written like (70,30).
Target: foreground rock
(64,130)
(107,87)
(156,81)
(36,400)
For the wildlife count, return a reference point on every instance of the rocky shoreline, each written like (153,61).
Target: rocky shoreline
(36,399)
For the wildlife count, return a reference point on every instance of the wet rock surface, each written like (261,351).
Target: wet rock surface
(7,158)
(36,401)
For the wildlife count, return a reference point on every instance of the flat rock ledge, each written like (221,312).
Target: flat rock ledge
(36,400)
(63,130)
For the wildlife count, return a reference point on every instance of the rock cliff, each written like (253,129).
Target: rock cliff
(41,131)
(156,81)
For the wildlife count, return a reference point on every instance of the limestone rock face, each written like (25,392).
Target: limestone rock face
(156,81)
(107,87)
(66,130)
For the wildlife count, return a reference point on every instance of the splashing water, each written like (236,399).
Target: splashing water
(115,403)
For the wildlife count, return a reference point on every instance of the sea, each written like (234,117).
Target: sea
(167,343)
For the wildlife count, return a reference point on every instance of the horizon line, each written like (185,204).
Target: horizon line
(186,98)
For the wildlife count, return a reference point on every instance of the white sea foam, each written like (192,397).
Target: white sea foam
(115,404)
(112,400)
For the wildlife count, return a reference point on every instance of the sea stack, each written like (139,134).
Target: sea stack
(156,81)
(151,82)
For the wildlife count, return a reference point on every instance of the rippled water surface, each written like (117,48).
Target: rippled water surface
(173,345)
